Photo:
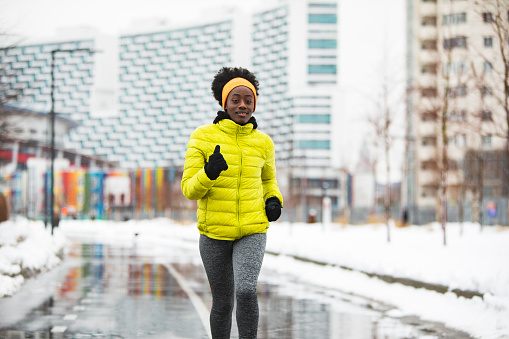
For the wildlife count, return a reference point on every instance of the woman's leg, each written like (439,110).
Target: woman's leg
(248,255)
(217,260)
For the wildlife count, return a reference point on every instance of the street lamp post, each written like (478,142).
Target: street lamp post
(52,123)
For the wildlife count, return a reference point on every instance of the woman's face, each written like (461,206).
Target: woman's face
(240,104)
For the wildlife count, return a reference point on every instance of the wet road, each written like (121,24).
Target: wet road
(125,291)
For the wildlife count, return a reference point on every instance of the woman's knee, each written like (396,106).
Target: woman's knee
(246,294)
(223,306)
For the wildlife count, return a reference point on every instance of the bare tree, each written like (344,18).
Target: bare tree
(476,155)
(383,125)
(495,13)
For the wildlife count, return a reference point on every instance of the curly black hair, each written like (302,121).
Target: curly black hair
(225,74)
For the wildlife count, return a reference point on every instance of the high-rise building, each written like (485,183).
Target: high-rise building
(162,92)
(455,83)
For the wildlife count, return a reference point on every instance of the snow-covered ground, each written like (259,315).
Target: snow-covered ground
(472,260)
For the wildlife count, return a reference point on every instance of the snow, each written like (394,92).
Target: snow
(473,260)
(26,247)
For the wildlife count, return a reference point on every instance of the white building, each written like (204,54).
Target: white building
(163,89)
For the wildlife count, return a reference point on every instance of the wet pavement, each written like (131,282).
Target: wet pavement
(123,291)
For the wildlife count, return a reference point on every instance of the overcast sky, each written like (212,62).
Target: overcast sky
(40,18)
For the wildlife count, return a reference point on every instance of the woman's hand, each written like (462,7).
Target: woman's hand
(216,164)
(273,208)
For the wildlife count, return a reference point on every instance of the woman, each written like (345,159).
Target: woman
(230,169)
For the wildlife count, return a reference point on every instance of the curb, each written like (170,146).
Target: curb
(392,280)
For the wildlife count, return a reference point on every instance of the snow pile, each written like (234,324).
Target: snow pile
(26,248)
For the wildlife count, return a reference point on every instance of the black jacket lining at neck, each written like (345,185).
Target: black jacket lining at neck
(223,115)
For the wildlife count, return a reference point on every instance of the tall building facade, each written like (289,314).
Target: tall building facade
(27,71)
(162,90)
(455,84)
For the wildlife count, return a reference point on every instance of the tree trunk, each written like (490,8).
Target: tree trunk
(388,194)
(443,204)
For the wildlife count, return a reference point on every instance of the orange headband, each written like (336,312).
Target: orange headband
(236,82)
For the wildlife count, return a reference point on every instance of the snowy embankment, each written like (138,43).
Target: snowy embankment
(26,249)
(472,261)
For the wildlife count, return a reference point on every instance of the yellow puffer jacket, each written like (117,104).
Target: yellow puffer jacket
(233,205)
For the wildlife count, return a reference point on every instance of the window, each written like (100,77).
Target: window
(486,141)
(485,91)
(429,141)
(323,5)
(429,69)
(459,140)
(429,45)
(456,18)
(429,165)
(322,69)
(457,42)
(457,115)
(488,67)
(487,17)
(429,21)
(454,67)
(488,41)
(322,18)
(459,91)
(428,116)
(314,118)
(429,92)
(322,43)
(313,144)
(486,116)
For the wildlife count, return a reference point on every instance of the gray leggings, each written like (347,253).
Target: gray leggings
(232,269)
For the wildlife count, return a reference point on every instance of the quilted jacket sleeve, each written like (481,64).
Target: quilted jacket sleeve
(269,182)
(195,183)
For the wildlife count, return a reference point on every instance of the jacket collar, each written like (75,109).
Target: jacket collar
(221,115)
(231,127)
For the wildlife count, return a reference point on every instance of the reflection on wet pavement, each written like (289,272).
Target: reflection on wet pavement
(108,291)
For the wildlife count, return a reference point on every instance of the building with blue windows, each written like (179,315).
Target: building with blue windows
(161,91)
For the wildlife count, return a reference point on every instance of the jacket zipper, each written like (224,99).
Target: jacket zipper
(238,183)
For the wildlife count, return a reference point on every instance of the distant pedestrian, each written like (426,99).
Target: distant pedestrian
(230,169)
(4,209)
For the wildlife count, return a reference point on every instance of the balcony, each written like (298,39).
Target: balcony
(427,8)
(427,152)
(427,128)
(427,33)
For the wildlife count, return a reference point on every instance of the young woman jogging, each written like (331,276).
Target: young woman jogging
(230,169)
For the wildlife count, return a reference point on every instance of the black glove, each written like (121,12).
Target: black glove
(273,208)
(216,164)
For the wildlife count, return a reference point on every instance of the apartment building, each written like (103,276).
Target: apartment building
(454,88)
